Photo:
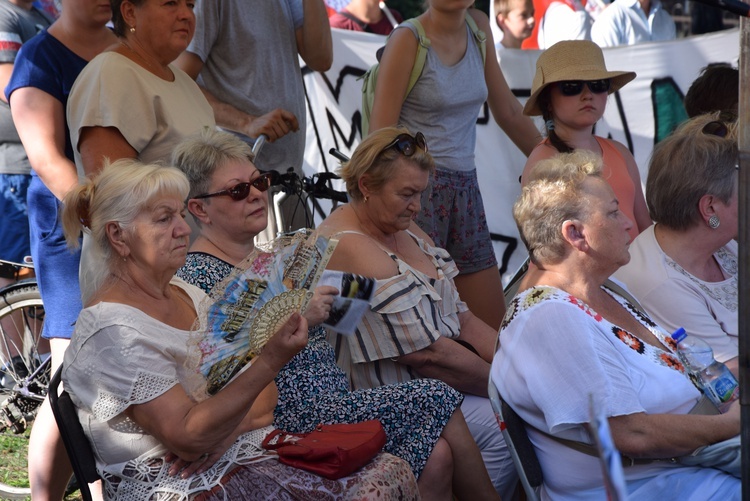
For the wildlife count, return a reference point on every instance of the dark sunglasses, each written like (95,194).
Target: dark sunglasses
(575,87)
(240,191)
(719,127)
(408,144)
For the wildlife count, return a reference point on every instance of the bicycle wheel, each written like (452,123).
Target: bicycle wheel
(24,377)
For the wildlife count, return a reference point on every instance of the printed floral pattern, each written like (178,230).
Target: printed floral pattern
(453,216)
(313,390)
(536,295)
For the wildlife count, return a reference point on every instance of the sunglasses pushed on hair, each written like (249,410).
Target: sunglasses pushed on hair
(240,191)
(407,144)
(575,87)
(719,127)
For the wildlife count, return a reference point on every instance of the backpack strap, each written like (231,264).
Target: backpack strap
(479,36)
(423,43)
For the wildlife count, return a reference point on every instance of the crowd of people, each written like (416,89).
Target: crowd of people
(130,149)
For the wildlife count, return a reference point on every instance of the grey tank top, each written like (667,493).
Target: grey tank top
(445,103)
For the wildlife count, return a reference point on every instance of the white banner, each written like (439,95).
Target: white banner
(636,116)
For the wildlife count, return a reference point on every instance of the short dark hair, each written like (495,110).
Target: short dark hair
(716,89)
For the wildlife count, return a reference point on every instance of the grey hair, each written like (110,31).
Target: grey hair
(200,155)
(117,194)
(688,165)
(553,195)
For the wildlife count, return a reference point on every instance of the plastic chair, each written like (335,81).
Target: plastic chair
(76,442)
(521,449)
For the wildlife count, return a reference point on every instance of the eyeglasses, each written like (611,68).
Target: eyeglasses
(240,191)
(575,87)
(408,144)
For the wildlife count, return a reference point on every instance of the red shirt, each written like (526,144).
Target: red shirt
(382,27)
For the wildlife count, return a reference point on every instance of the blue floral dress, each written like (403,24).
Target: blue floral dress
(313,389)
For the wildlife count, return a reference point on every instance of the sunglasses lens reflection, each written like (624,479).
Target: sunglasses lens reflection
(716,128)
(571,88)
(239,191)
(575,87)
(599,86)
(407,145)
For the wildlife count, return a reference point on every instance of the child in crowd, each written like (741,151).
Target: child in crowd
(516,20)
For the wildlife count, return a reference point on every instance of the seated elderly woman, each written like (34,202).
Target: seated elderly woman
(421,418)
(416,315)
(567,338)
(683,270)
(129,371)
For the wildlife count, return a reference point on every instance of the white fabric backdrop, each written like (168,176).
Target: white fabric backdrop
(334,99)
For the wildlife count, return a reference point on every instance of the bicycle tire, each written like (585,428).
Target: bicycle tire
(22,312)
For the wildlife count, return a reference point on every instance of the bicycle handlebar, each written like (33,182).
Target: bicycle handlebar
(315,185)
(258,145)
(339,156)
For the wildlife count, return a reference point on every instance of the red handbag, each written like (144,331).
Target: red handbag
(331,450)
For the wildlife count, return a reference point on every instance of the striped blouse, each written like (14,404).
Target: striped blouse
(408,312)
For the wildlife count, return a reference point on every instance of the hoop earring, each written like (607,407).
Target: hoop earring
(714,221)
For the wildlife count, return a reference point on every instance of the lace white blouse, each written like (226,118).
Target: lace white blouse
(119,356)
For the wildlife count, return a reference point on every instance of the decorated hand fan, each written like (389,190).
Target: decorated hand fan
(246,309)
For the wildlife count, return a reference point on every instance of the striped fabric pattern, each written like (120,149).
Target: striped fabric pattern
(409,311)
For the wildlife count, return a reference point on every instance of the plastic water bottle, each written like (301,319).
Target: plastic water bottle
(717,381)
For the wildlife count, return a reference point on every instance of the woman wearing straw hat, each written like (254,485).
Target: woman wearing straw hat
(570,90)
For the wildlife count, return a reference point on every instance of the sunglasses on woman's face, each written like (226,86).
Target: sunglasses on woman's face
(240,191)
(575,87)
(408,144)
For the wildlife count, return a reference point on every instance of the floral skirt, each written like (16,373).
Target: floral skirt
(385,478)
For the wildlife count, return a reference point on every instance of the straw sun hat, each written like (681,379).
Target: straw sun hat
(572,60)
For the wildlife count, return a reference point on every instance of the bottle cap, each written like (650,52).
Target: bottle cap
(679,334)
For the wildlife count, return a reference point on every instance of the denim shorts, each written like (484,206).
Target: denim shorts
(55,264)
(14,217)
(453,216)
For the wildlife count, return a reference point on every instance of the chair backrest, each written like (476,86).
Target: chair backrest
(511,289)
(76,442)
(521,449)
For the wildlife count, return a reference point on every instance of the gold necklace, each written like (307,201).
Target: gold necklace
(154,67)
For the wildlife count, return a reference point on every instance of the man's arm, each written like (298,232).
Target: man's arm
(274,124)
(314,42)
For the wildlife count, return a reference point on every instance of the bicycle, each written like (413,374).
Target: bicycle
(304,192)
(24,374)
